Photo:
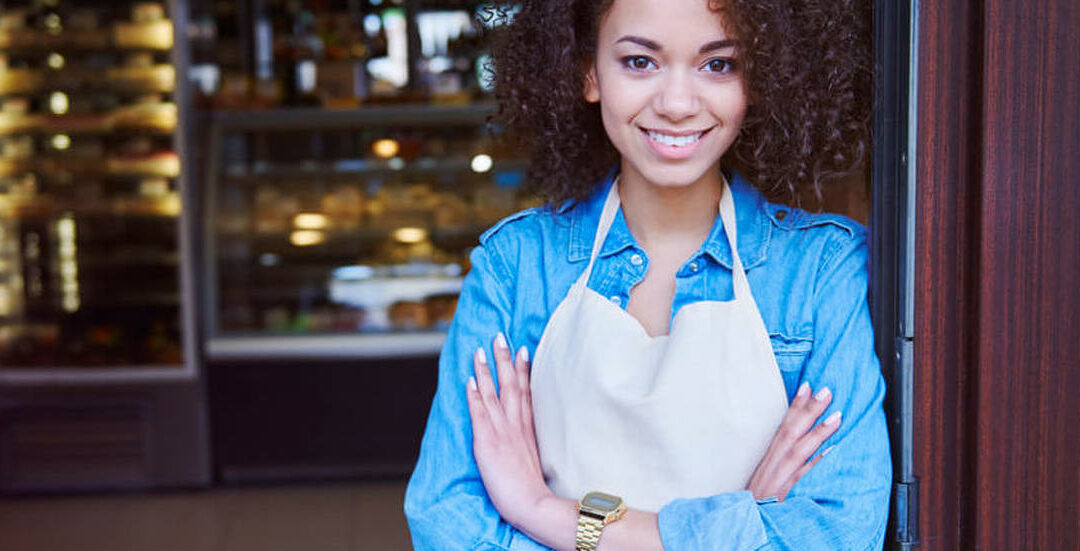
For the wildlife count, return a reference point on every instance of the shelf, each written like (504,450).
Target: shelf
(60,376)
(382,345)
(157,119)
(154,36)
(125,80)
(163,164)
(315,118)
(348,171)
(48,206)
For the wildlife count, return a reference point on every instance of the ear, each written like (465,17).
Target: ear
(592,88)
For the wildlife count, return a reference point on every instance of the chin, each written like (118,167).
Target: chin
(675,176)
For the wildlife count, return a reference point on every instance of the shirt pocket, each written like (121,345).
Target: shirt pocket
(791,353)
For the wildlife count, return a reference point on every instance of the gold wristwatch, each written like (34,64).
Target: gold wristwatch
(595,511)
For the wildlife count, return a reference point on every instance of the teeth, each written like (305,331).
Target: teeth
(675,141)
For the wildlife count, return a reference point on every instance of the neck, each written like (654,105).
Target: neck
(670,215)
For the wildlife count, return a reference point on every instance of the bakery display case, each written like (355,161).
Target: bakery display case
(90,189)
(99,375)
(348,233)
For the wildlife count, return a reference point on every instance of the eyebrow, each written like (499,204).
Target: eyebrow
(652,45)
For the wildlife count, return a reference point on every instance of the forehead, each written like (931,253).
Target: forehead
(671,23)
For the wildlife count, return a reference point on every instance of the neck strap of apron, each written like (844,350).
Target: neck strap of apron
(727,216)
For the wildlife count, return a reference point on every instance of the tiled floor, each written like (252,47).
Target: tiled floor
(342,517)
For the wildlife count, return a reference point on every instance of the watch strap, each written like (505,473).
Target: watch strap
(588,532)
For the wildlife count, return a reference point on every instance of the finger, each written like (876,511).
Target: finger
(800,473)
(523,369)
(787,433)
(486,387)
(813,440)
(508,380)
(477,412)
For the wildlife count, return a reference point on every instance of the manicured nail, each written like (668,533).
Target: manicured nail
(803,389)
(500,341)
(472,382)
(823,394)
(833,419)
(480,355)
(523,354)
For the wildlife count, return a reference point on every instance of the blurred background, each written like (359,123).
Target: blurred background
(232,236)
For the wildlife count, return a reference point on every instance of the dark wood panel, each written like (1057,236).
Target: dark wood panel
(997,336)
(949,154)
(1028,436)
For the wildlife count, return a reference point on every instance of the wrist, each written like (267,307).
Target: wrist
(552,522)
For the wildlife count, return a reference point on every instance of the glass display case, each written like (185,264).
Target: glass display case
(90,190)
(348,233)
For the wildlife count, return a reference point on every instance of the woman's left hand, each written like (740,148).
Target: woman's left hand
(504,440)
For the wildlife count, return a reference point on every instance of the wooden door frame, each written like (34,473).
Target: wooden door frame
(997,342)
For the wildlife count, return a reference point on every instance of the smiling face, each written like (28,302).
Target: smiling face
(670,91)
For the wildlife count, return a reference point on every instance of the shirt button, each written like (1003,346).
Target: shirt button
(636,260)
(616,300)
(694,266)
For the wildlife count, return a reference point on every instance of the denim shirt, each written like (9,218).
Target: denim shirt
(808,275)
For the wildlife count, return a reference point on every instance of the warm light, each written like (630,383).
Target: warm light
(55,61)
(58,103)
(481,163)
(410,235)
(52,22)
(310,221)
(305,238)
(61,141)
(385,148)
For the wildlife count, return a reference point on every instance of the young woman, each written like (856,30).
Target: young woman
(700,354)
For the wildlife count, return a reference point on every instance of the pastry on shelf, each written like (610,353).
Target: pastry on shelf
(164,163)
(149,116)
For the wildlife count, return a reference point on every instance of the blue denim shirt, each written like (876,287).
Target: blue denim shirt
(808,274)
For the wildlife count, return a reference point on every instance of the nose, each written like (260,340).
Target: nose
(677,98)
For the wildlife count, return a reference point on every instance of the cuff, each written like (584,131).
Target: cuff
(723,521)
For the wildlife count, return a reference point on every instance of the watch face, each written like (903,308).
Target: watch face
(601,501)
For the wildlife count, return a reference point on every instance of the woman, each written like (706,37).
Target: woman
(698,349)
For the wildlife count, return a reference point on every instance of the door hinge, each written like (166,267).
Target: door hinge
(907,513)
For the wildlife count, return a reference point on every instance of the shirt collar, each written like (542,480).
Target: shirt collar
(751,217)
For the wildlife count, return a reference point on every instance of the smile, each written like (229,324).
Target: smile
(674,140)
(674,145)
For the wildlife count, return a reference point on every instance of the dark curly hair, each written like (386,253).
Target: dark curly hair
(807,67)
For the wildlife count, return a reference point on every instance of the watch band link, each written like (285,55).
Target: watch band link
(588,532)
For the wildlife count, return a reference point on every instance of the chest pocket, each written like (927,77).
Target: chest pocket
(791,354)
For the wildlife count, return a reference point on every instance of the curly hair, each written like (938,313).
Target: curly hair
(807,68)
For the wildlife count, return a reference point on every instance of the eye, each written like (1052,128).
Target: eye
(721,65)
(637,63)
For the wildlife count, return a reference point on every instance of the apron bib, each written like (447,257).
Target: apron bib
(651,419)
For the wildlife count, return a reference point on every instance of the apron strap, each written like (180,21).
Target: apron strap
(727,216)
(611,207)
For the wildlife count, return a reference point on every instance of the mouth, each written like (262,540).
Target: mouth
(674,144)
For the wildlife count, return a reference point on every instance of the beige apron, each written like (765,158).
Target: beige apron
(652,419)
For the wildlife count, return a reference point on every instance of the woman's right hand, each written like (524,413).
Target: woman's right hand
(789,455)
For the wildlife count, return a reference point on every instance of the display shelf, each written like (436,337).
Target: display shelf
(388,345)
(311,118)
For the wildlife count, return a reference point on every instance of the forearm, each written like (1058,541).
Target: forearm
(555,525)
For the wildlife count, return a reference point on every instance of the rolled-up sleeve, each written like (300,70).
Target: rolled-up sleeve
(843,501)
(446,505)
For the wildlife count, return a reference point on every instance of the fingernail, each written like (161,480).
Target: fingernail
(827,450)
(480,355)
(803,389)
(523,354)
(833,419)
(823,394)
(500,341)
